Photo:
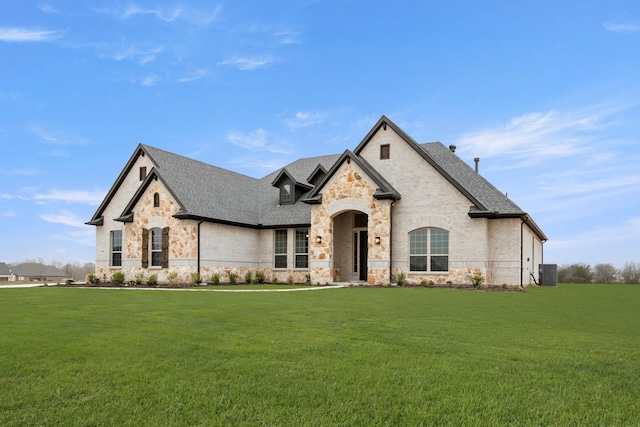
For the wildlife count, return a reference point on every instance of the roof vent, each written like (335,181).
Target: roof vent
(452,148)
(477,160)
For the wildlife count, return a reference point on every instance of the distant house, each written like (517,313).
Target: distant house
(34,271)
(390,206)
(5,272)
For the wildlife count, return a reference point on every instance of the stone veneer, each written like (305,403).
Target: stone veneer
(350,189)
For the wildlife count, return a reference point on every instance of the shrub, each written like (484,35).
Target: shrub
(97,281)
(259,277)
(290,280)
(152,280)
(248,276)
(139,278)
(117,277)
(477,280)
(274,280)
(195,277)
(307,278)
(215,278)
(91,278)
(233,278)
(431,283)
(400,277)
(173,278)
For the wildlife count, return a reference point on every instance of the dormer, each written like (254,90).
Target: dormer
(290,189)
(316,176)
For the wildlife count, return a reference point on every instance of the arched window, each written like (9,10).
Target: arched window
(429,250)
(156,200)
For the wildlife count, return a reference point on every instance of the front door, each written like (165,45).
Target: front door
(360,247)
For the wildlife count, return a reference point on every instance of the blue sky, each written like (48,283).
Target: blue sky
(546,93)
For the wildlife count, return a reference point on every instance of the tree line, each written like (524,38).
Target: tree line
(600,273)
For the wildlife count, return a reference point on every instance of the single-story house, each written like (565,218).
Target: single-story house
(390,206)
(35,271)
(5,272)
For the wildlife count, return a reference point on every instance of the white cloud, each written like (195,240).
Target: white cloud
(534,137)
(149,80)
(169,14)
(142,56)
(71,196)
(246,63)
(20,172)
(615,244)
(253,140)
(47,8)
(620,27)
(196,74)
(304,119)
(8,214)
(65,217)
(51,138)
(288,37)
(20,35)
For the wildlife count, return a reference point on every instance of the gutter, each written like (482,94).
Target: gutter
(391,242)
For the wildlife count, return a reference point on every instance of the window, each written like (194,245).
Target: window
(384,151)
(156,247)
(143,173)
(302,248)
(116,248)
(156,200)
(429,250)
(280,249)
(360,220)
(286,193)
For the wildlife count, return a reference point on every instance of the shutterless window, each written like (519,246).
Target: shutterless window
(286,193)
(280,249)
(385,151)
(156,247)
(156,200)
(116,248)
(429,250)
(143,173)
(302,248)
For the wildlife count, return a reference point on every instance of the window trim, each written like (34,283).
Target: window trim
(278,257)
(287,199)
(385,151)
(156,239)
(429,255)
(304,232)
(113,251)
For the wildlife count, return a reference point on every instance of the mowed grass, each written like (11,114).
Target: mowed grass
(548,356)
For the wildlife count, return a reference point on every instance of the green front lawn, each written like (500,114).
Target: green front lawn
(386,356)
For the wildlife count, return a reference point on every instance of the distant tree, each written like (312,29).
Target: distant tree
(604,273)
(631,272)
(575,273)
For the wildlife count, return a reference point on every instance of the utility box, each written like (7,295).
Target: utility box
(548,274)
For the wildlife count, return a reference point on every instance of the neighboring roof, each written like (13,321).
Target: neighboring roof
(4,269)
(35,269)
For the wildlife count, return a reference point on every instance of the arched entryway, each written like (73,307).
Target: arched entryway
(351,245)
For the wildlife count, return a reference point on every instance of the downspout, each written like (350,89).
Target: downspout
(201,221)
(391,243)
(525,219)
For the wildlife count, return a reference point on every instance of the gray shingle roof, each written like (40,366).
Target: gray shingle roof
(210,192)
(4,269)
(207,192)
(482,190)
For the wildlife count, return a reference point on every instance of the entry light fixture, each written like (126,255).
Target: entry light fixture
(377,240)
(318,239)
